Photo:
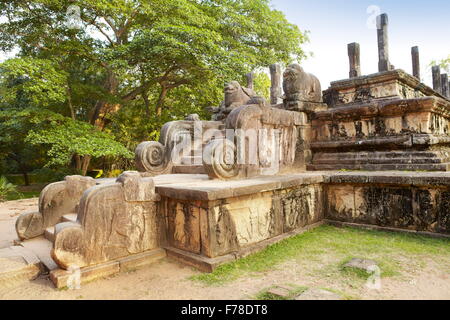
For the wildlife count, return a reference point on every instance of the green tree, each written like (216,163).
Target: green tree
(146,49)
(31,94)
(262,84)
(444,63)
(132,65)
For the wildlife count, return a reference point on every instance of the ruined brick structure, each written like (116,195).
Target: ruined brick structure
(209,192)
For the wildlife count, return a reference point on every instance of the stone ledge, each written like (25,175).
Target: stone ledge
(390,177)
(18,264)
(60,277)
(217,190)
(381,77)
(205,264)
(387,229)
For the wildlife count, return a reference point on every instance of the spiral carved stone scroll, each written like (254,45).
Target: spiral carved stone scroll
(219,160)
(152,159)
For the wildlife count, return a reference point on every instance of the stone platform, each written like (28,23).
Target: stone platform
(384,121)
(213,222)
(205,223)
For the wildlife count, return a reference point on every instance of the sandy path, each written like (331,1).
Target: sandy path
(9,211)
(170,280)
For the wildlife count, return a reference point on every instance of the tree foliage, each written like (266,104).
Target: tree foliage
(127,66)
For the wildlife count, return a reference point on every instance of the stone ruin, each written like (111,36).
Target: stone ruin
(370,151)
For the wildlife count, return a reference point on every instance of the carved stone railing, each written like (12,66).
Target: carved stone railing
(157,158)
(115,220)
(264,141)
(56,200)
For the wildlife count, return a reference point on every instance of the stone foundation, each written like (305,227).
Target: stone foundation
(410,201)
(385,121)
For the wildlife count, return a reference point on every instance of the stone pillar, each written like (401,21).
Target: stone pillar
(250,77)
(275,89)
(354,55)
(415,62)
(437,81)
(445,86)
(383,43)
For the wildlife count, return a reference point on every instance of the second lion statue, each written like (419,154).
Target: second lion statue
(300,86)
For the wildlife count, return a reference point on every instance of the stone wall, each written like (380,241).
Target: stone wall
(223,226)
(414,201)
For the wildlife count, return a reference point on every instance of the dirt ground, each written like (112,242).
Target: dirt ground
(170,280)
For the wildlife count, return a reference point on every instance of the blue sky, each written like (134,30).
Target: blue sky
(335,23)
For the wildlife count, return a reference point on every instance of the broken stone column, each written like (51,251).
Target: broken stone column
(445,85)
(275,89)
(250,78)
(354,54)
(383,43)
(437,81)
(416,62)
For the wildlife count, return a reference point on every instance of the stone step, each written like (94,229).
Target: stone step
(379,167)
(70,217)
(379,154)
(189,169)
(18,264)
(49,234)
(363,161)
(42,248)
(130,263)
(192,160)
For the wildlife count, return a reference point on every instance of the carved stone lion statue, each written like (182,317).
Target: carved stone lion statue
(300,86)
(235,96)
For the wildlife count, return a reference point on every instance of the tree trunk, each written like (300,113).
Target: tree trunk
(26,178)
(77,162)
(162,97)
(147,105)
(85,165)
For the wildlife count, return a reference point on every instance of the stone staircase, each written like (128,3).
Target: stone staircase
(193,164)
(382,161)
(113,246)
(50,231)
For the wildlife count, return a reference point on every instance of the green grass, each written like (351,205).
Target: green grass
(22,195)
(325,249)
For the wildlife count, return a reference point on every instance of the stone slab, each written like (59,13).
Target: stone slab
(41,247)
(386,229)
(209,190)
(141,260)
(60,277)
(199,187)
(70,217)
(280,292)
(361,264)
(18,264)
(390,177)
(318,294)
(206,264)
(199,262)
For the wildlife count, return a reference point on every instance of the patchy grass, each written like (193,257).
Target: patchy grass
(327,248)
